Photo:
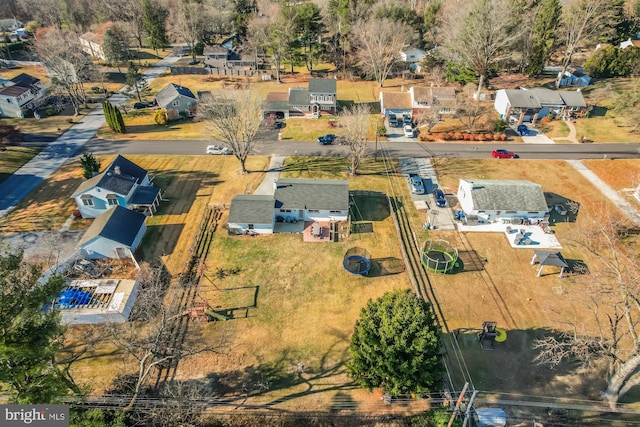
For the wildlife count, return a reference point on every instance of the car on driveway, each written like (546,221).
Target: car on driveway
(503,154)
(408,131)
(523,130)
(417,186)
(326,139)
(219,150)
(438,196)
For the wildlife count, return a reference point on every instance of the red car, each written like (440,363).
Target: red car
(503,154)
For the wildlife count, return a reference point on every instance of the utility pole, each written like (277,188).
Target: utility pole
(456,410)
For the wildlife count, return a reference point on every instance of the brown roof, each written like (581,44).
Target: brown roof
(443,92)
(13,90)
(277,96)
(396,100)
(215,50)
(421,94)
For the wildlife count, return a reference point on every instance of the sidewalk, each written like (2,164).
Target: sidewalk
(572,134)
(28,177)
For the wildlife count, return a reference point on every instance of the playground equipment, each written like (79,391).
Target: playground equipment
(357,261)
(490,332)
(438,256)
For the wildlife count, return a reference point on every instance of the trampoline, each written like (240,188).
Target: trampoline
(438,256)
(357,261)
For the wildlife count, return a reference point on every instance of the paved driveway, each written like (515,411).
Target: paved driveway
(29,176)
(396,134)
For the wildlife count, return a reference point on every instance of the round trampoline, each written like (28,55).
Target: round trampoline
(357,261)
(438,256)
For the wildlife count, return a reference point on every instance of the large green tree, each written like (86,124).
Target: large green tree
(29,335)
(396,345)
(136,84)
(544,35)
(155,24)
(310,28)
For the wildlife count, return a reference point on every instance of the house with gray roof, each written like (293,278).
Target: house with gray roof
(293,201)
(177,100)
(222,57)
(494,200)
(319,98)
(116,233)
(21,93)
(122,183)
(529,105)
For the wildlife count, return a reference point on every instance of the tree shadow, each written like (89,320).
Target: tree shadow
(563,209)
(468,261)
(386,267)
(162,238)
(369,206)
(598,111)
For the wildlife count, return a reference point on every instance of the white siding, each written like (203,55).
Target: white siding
(241,228)
(501,104)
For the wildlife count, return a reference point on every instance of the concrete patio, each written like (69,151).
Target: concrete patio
(538,238)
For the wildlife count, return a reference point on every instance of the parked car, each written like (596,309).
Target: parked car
(139,105)
(219,150)
(327,139)
(523,130)
(408,131)
(503,154)
(438,195)
(417,186)
(393,121)
(406,119)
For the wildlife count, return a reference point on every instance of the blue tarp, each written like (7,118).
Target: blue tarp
(70,298)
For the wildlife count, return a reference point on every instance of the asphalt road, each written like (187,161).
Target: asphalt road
(393,149)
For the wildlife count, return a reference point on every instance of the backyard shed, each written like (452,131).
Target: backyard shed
(549,258)
(114,234)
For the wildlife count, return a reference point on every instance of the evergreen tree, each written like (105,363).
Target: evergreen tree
(155,24)
(30,335)
(120,121)
(396,345)
(115,47)
(544,35)
(136,85)
(107,114)
(89,165)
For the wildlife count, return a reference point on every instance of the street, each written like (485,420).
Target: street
(392,149)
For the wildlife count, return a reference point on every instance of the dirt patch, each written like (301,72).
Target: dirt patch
(48,247)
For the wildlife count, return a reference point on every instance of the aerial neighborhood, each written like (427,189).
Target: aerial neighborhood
(320,213)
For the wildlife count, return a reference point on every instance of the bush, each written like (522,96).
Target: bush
(545,119)
(450,136)
(496,137)
(472,137)
(96,89)
(488,136)
(500,126)
(441,136)
(479,137)
(199,48)
(161,117)
(503,137)
(51,111)
(457,136)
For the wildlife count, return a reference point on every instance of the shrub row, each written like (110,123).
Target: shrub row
(458,136)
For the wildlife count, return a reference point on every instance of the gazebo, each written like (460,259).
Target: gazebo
(549,258)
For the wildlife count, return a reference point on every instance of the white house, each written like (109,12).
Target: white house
(114,234)
(629,42)
(294,200)
(493,200)
(397,103)
(412,54)
(122,183)
(528,105)
(23,92)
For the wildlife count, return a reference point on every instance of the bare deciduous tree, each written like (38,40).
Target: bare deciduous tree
(234,118)
(469,111)
(379,42)
(189,22)
(46,12)
(611,293)
(70,67)
(356,121)
(480,34)
(581,20)
(128,11)
(151,342)
(428,117)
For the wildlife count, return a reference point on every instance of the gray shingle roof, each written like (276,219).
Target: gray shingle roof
(573,98)
(551,258)
(540,97)
(322,85)
(251,209)
(144,195)
(13,91)
(118,224)
(25,80)
(312,194)
(298,96)
(507,195)
(120,183)
(171,92)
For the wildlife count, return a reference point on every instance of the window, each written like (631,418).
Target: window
(335,211)
(285,210)
(511,212)
(8,100)
(250,226)
(314,211)
(533,212)
(112,200)
(87,201)
(176,103)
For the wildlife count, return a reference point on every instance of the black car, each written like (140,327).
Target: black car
(441,201)
(139,105)
(327,139)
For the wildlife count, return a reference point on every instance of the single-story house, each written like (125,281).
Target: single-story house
(122,183)
(178,99)
(23,92)
(412,54)
(294,200)
(493,200)
(577,77)
(426,98)
(629,42)
(320,97)
(114,234)
(528,105)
